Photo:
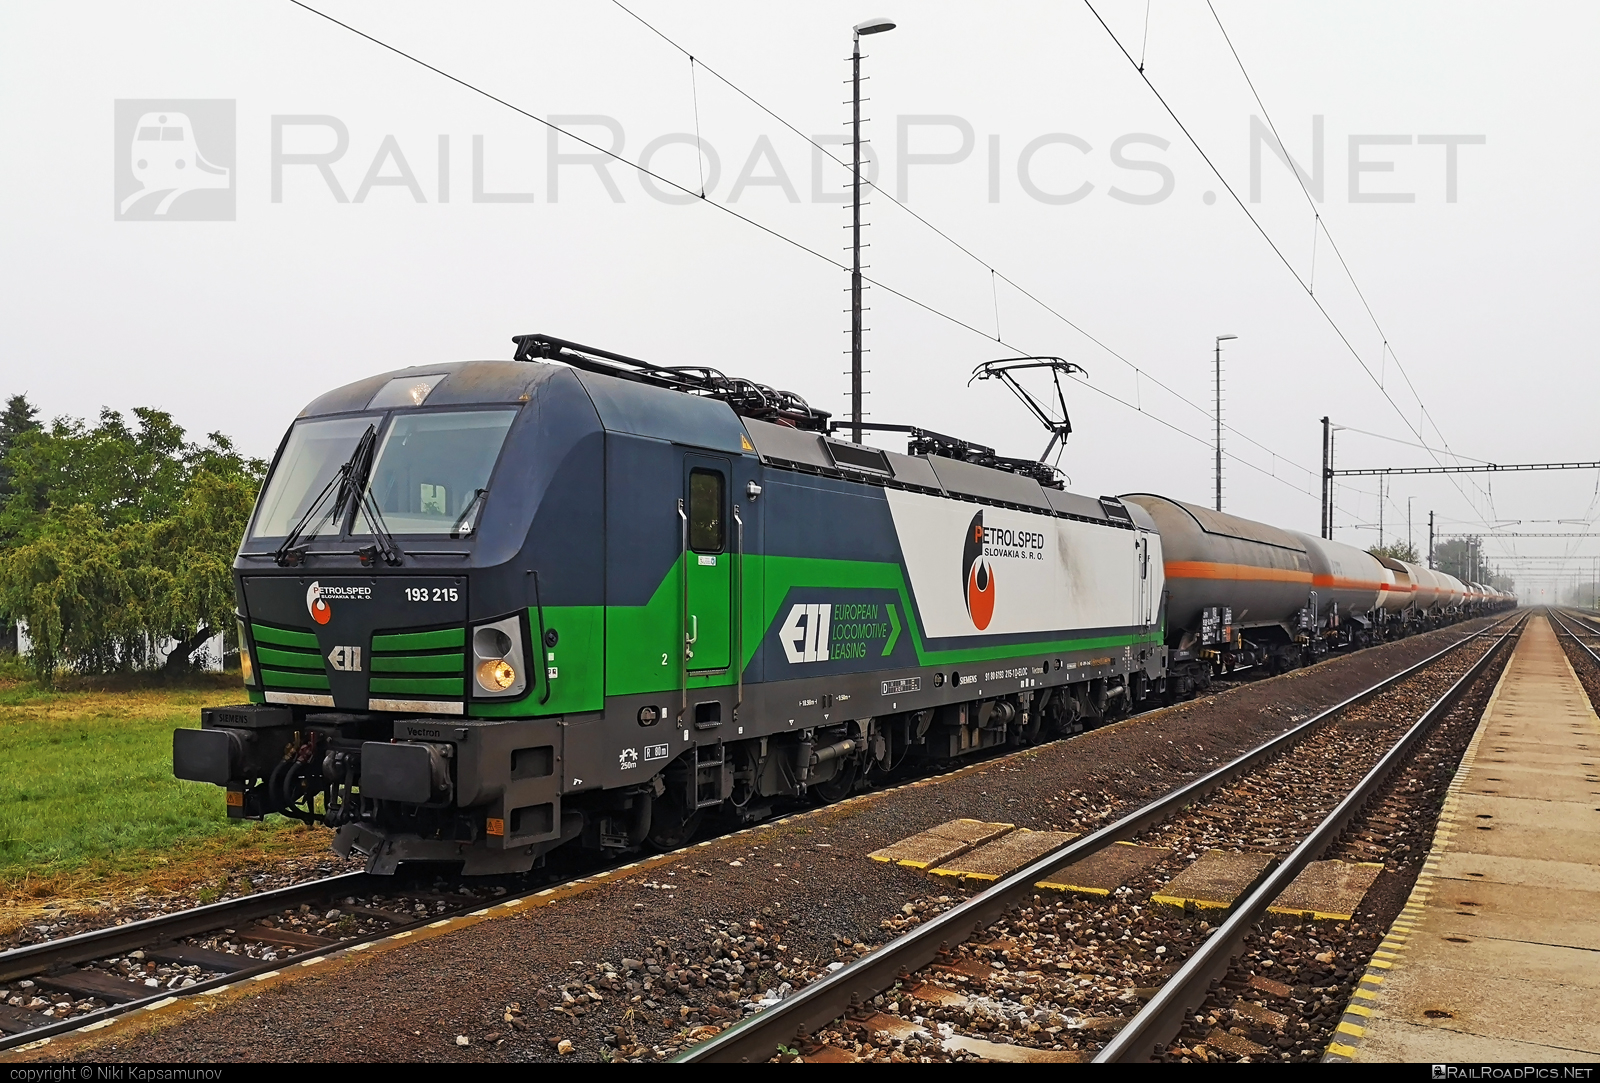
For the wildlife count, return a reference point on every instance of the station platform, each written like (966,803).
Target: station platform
(1496,955)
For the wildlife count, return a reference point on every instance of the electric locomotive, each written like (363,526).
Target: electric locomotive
(490,608)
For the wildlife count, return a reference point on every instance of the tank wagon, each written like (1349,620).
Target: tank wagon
(488,608)
(1246,593)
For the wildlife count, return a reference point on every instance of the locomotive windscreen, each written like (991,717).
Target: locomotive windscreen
(313,455)
(431,469)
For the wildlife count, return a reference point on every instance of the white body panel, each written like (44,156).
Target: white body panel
(1046,574)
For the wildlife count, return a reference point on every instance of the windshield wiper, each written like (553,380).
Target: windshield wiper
(463,525)
(385,546)
(351,474)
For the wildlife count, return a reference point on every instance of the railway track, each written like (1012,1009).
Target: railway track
(75,982)
(1578,626)
(59,986)
(1290,800)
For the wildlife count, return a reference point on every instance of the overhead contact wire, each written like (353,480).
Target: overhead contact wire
(768,229)
(963,249)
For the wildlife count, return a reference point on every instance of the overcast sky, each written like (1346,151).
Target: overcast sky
(1486,300)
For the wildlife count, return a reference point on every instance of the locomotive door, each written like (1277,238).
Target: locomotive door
(1142,614)
(707,564)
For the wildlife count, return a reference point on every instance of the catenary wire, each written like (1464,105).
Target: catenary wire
(994,272)
(767,229)
(1328,316)
(1321,225)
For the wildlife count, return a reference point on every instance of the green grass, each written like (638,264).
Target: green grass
(88,785)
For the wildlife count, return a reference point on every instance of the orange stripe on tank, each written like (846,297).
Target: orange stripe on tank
(1345,584)
(1204,569)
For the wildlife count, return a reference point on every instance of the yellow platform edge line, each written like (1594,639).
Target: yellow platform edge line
(1370,987)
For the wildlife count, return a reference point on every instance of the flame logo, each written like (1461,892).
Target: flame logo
(316,606)
(977,576)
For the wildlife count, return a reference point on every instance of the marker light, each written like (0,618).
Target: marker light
(497,674)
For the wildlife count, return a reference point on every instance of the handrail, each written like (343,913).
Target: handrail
(683,610)
(738,611)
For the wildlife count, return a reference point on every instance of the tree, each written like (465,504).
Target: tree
(81,589)
(126,474)
(19,417)
(114,538)
(195,549)
(1396,551)
(1462,558)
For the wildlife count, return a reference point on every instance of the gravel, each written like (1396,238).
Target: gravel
(1063,975)
(638,966)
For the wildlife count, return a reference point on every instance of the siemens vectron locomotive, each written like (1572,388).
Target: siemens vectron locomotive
(490,608)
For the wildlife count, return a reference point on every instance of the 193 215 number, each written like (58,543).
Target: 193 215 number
(432,594)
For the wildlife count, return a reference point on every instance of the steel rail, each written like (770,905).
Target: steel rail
(757,1038)
(47,957)
(1574,636)
(1148,1032)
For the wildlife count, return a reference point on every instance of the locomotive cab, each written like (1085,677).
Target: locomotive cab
(391,610)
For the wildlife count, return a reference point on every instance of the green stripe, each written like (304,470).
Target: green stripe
(418,686)
(283,637)
(421,641)
(292,659)
(425,663)
(275,677)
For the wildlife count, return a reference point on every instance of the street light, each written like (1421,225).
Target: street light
(1220,340)
(871,26)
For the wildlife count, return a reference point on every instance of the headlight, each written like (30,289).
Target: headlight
(498,675)
(498,670)
(246,669)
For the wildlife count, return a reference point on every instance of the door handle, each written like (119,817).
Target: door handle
(689,640)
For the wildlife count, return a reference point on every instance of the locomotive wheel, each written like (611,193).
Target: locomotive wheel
(669,829)
(838,787)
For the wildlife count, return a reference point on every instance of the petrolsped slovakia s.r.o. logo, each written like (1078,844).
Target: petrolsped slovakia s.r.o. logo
(318,608)
(977,576)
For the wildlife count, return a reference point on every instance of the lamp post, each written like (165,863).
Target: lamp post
(1220,340)
(871,26)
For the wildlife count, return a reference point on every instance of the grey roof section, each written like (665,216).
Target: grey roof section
(1142,518)
(986,484)
(1231,526)
(1085,507)
(783,444)
(626,406)
(465,382)
(913,470)
(490,381)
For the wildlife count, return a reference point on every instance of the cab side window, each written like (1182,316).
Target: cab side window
(706,528)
